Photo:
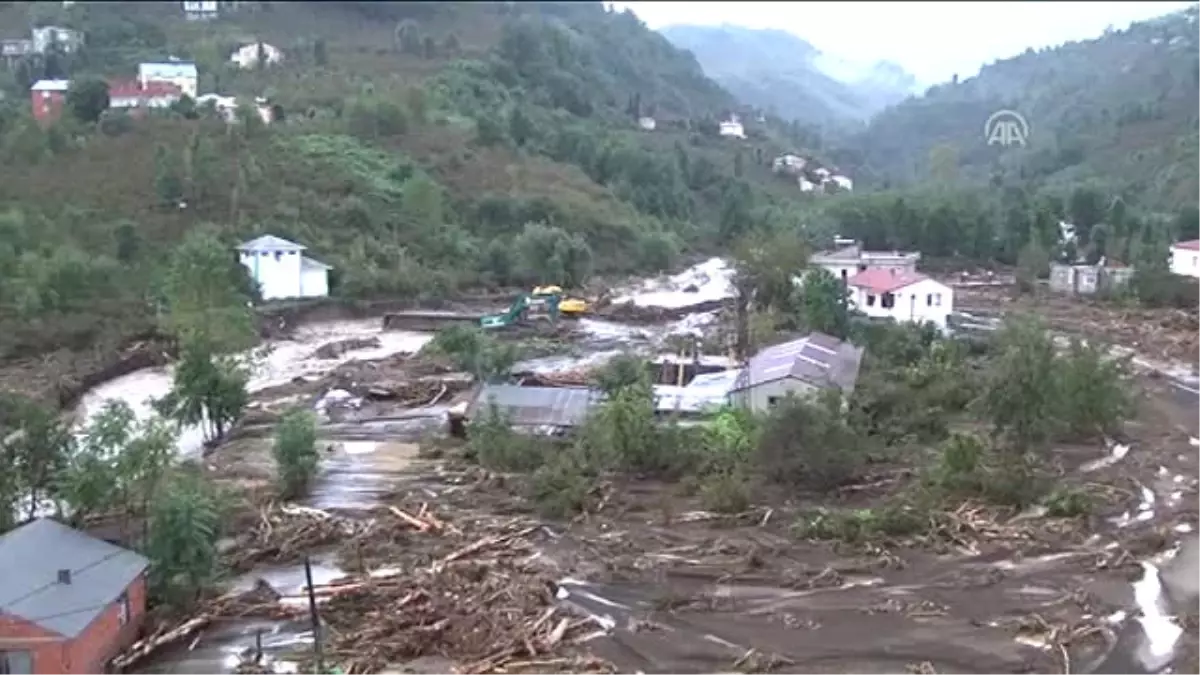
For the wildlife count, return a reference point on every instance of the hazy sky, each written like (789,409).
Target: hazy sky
(932,40)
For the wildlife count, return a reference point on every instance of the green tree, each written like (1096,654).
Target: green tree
(168,184)
(823,303)
(295,449)
(185,524)
(418,106)
(207,390)
(488,131)
(1020,395)
(36,446)
(87,99)
(520,128)
(1032,264)
(476,352)
(204,294)
(407,37)
(548,255)
(622,372)
(320,53)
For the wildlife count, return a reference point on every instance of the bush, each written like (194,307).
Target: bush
(493,443)
(810,444)
(561,487)
(725,491)
(296,453)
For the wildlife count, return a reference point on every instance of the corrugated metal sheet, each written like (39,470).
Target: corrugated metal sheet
(818,359)
(535,406)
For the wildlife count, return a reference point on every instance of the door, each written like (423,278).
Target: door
(912,306)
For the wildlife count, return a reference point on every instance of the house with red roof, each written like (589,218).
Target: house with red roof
(134,95)
(902,295)
(1185,258)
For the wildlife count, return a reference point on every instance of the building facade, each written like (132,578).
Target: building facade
(281,269)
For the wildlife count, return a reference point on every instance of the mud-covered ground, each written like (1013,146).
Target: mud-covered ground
(424,563)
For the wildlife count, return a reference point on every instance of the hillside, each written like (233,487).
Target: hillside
(1118,112)
(777,71)
(420,149)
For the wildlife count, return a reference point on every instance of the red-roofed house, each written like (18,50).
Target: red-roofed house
(902,295)
(133,95)
(1185,258)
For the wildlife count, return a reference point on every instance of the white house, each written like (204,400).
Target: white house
(246,56)
(732,128)
(179,73)
(282,270)
(800,368)
(842,182)
(849,258)
(131,94)
(200,10)
(647,123)
(227,106)
(1185,258)
(901,295)
(65,40)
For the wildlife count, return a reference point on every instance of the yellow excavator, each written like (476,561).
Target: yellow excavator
(567,306)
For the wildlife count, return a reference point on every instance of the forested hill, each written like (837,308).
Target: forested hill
(418,148)
(777,71)
(1118,111)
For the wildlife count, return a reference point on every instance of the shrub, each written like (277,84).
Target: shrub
(810,444)
(296,453)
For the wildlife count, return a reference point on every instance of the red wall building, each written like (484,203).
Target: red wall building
(47,98)
(69,620)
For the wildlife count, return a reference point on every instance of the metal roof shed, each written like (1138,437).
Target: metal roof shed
(562,407)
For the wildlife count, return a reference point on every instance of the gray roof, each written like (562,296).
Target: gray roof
(305,261)
(818,359)
(271,243)
(32,555)
(846,253)
(535,406)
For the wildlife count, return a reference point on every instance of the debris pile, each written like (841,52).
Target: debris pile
(486,601)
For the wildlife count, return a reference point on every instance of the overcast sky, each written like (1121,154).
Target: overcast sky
(932,40)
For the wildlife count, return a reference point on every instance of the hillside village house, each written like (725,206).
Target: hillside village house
(901,295)
(64,40)
(732,128)
(133,96)
(246,56)
(647,123)
(281,269)
(1185,258)
(178,73)
(68,602)
(849,258)
(200,10)
(47,98)
(227,107)
(801,368)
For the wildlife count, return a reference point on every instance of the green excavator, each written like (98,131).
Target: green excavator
(545,301)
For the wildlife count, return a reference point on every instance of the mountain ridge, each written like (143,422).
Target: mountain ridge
(778,71)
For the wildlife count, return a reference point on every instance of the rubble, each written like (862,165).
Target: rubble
(332,350)
(476,594)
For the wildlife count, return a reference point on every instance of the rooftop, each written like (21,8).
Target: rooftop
(51,85)
(535,406)
(306,262)
(855,252)
(133,88)
(819,359)
(31,556)
(270,243)
(885,280)
(1193,245)
(167,69)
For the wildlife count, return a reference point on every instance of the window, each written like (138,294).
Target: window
(870,300)
(772,401)
(278,255)
(123,608)
(929,300)
(14,662)
(862,268)
(887,301)
(937,299)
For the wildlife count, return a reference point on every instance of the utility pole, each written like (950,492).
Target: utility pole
(312,615)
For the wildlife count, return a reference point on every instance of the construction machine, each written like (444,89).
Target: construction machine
(567,306)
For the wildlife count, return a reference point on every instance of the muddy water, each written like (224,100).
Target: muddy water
(281,362)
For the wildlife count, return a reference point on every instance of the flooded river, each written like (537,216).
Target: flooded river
(367,458)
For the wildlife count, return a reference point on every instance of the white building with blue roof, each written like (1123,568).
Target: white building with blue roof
(281,269)
(182,74)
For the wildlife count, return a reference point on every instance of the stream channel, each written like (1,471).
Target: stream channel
(373,455)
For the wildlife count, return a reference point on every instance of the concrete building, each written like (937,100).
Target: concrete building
(901,295)
(247,56)
(68,602)
(1087,279)
(801,367)
(1185,258)
(65,40)
(732,128)
(201,10)
(179,73)
(281,269)
(131,95)
(848,258)
(47,98)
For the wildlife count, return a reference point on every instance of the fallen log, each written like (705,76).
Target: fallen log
(145,647)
